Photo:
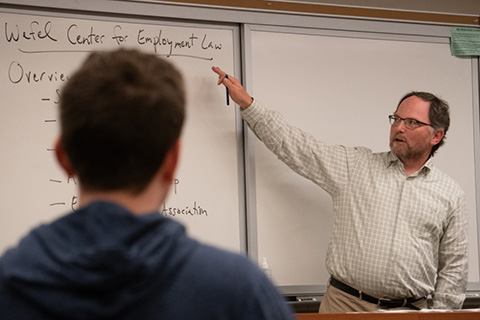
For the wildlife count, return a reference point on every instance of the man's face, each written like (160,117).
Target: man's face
(412,144)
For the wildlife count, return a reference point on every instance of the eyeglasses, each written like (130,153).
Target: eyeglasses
(409,123)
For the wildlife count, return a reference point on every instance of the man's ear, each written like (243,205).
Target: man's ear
(171,161)
(437,137)
(62,158)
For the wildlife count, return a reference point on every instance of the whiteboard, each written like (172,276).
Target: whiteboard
(40,52)
(341,86)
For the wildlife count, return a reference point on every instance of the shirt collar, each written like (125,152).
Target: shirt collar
(394,160)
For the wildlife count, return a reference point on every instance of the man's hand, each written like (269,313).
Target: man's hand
(235,88)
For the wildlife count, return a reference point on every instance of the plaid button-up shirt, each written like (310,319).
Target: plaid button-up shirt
(394,235)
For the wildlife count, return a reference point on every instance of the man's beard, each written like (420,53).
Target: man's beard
(406,152)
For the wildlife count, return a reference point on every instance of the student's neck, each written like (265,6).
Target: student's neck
(148,201)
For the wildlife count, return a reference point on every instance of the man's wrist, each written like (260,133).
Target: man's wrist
(245,106)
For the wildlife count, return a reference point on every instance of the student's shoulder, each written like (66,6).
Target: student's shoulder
(232,274)
(240,283)
(226,262)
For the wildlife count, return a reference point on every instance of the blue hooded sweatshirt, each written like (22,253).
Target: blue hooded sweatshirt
(103,262)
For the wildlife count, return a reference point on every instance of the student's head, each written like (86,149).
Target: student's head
(432,114)
(120,113)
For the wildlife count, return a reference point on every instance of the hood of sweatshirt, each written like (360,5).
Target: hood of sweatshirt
(98,261)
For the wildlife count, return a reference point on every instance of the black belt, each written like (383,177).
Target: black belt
(382,302)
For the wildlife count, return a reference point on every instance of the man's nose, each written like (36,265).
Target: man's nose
(401,126)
